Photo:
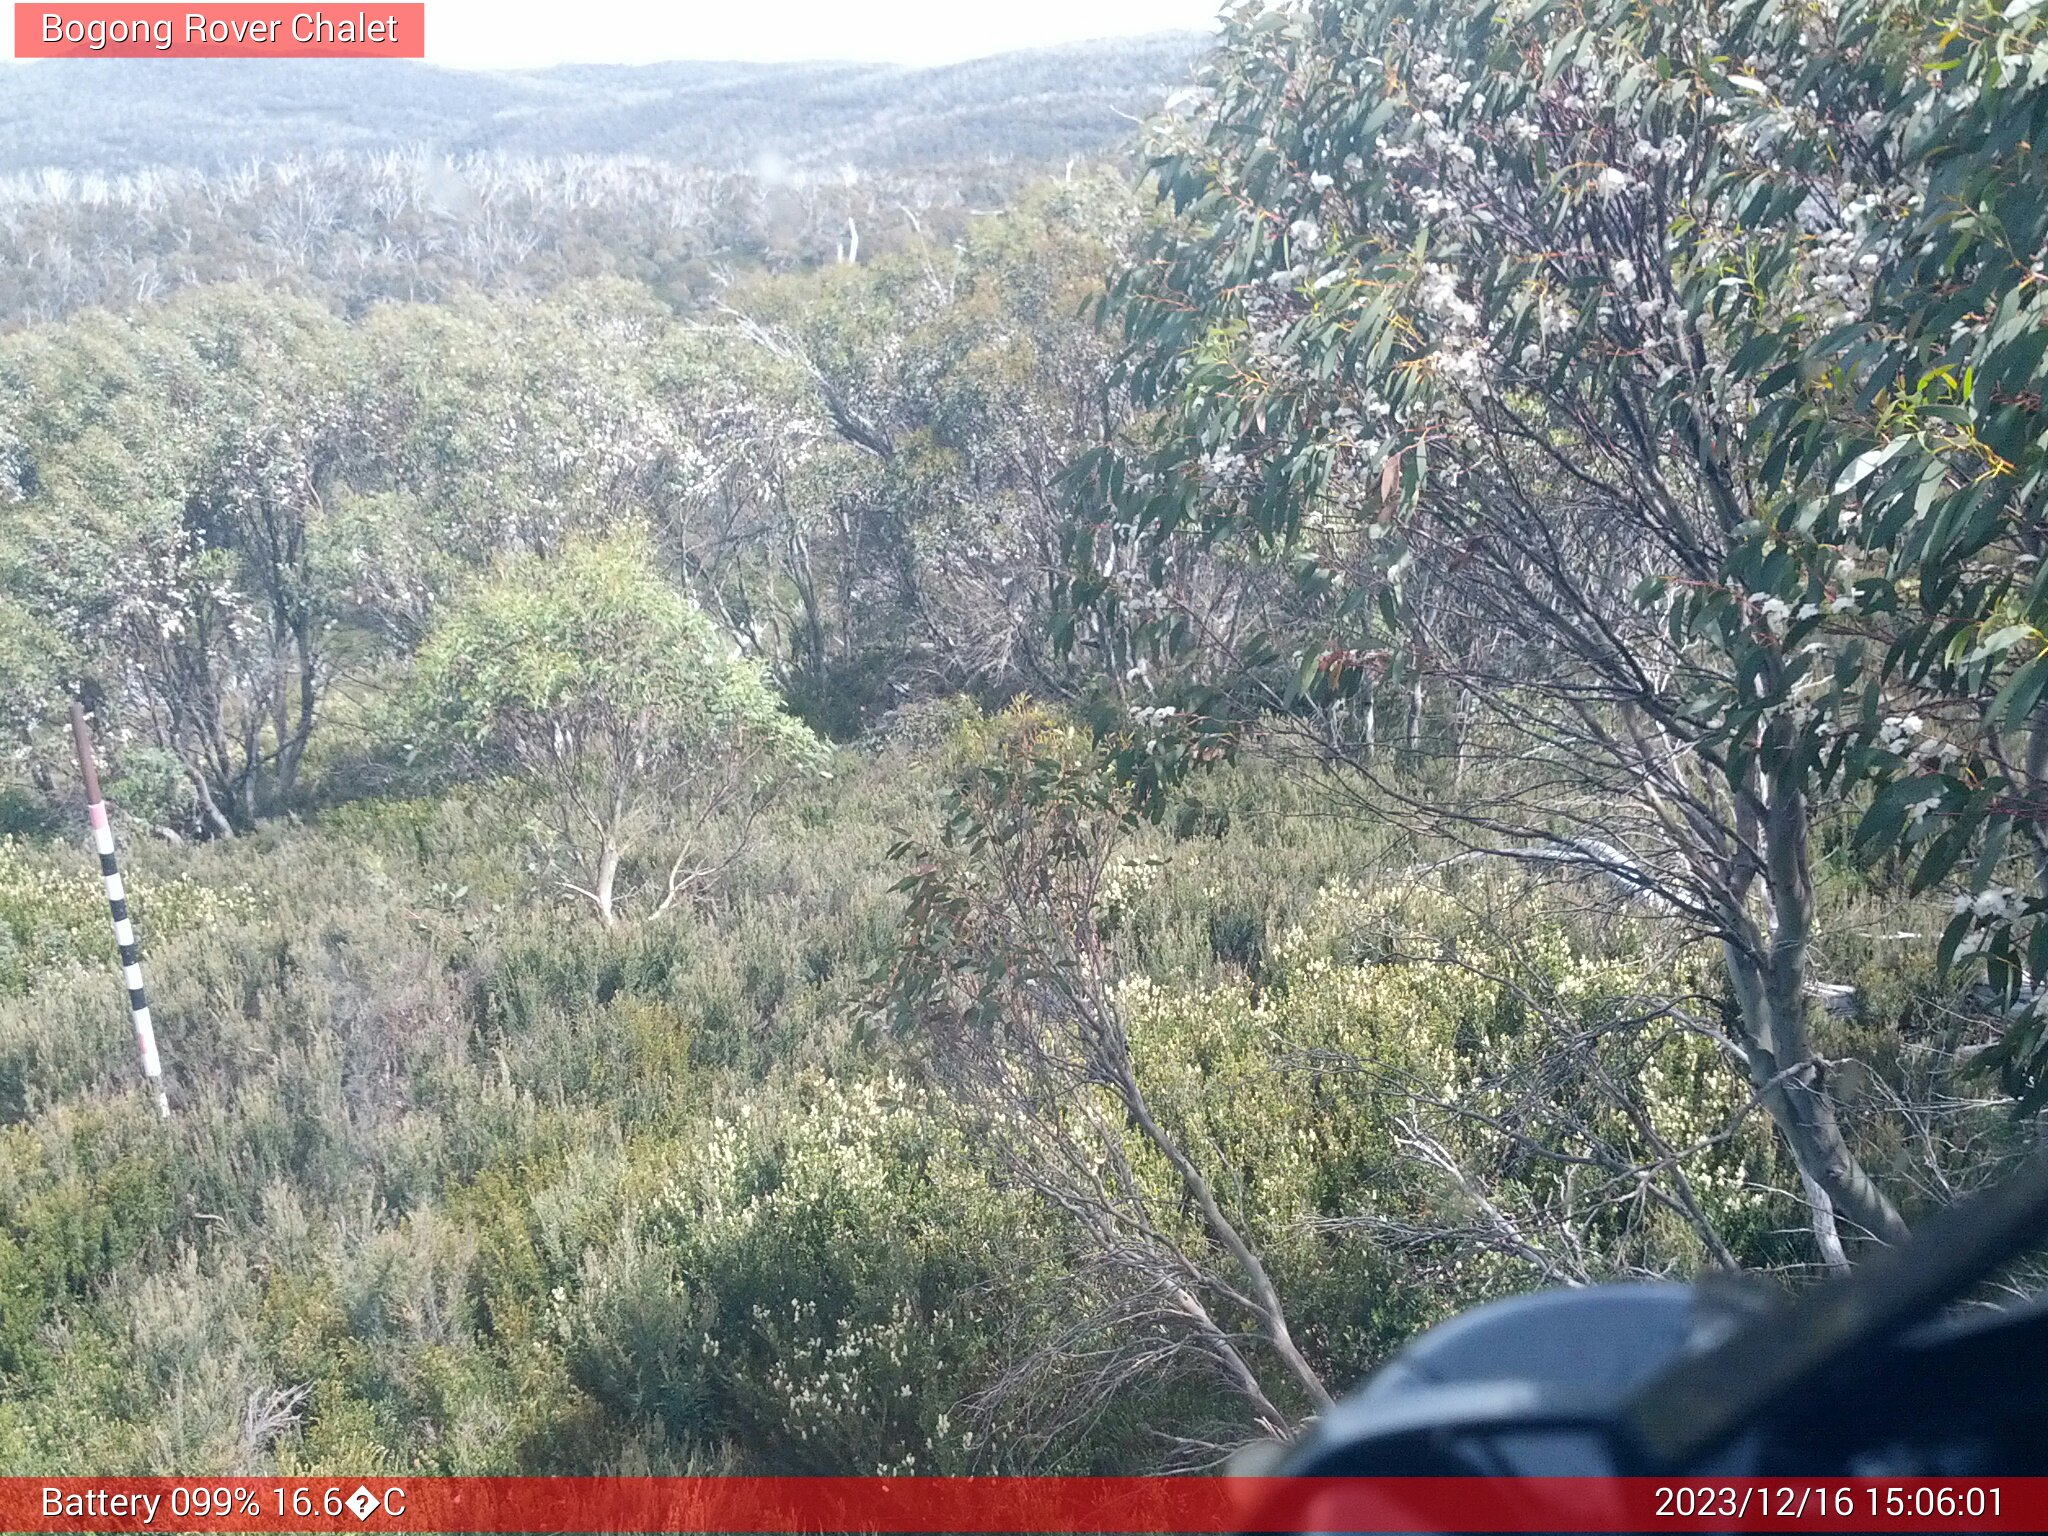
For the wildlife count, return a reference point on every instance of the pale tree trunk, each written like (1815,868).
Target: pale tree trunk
(1265,1295)
(607,877)
(209,809)
(292,743)
(1825,1232)
(1463,717)
(2036,769)
(1767,968)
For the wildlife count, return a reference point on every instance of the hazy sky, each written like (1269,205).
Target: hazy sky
(490,34)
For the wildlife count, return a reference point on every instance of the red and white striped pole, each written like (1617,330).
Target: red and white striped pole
(117,906)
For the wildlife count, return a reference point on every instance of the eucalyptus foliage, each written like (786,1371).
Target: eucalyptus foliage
(171,481)
(614,695)
(1661,381)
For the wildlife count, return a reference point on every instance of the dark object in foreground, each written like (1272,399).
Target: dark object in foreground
(1861,1376)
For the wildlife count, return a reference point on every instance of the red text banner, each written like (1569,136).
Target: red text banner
(376,31)
(386,1503)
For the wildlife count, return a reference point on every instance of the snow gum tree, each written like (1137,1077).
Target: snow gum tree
(173,477)
(628,712)
(1603,373)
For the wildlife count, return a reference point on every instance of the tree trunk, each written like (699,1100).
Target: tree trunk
(2036,769)
(607,878)
(291,748)
(1461,734)
(209,808)
(1767,967)
(1830,1240)
(1265,1295)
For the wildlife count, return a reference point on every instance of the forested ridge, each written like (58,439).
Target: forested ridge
(123,115)
(1013,818)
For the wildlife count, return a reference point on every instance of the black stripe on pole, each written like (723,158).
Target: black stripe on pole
(117,907)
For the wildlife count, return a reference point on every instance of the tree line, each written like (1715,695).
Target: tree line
(235,511)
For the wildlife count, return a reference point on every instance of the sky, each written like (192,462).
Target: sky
(516,34)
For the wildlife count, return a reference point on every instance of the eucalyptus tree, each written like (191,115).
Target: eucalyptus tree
(1908,454)
(174,475)
(957,382)
(624,709)
(277,430)
(1006,971)
(504,426)
(1504,349)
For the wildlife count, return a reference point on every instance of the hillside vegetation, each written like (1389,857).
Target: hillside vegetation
(1025,847)
(1034,108)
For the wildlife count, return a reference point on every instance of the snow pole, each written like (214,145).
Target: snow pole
(117,907)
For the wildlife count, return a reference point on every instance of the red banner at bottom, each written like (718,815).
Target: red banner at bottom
(1019,1504)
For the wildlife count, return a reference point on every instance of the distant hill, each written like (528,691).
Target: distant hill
(119,115)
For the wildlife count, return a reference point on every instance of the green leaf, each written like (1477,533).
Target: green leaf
(2022,691)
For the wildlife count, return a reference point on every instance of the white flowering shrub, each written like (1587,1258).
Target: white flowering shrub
(821,1285)
(53,913)
(1549,1075)
(1404,1106)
